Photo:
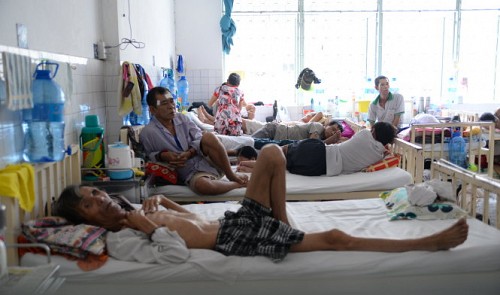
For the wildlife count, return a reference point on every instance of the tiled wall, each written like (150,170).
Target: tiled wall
(88,96)
(95,91)
(202,83)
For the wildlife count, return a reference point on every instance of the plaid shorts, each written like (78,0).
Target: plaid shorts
(252,231)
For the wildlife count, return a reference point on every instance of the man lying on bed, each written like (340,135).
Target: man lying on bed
(199,158)
(260,227)
(312,157)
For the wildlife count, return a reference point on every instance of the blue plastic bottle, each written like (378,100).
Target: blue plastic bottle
(44,124)
(456,150)
(168,82)
(183,92)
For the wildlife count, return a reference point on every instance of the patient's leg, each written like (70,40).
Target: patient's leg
(267,184)
(212,146)
(317,117)
(204,116)
(338,240)
(312,117)
(251,111)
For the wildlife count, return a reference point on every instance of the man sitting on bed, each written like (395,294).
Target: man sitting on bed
(311,157)
(259,227)
(199,158)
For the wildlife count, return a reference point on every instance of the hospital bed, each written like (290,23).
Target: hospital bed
(470,268)
(349,186)
(433,139)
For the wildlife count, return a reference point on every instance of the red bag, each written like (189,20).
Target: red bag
(162,173)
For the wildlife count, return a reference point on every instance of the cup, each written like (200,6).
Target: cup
(139,163)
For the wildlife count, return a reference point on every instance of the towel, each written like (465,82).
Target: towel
(18,181)
(130,94)
(18,76)
(227,27)
(180,64)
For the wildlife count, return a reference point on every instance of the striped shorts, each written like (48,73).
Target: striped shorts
(252,231)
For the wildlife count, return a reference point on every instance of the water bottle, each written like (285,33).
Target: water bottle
(456,150)
(92,146)
(169,82)
(182,93)
(44,123)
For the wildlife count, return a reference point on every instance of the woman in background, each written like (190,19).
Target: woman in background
(230,100)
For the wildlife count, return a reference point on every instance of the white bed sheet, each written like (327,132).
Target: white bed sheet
(366,218)
(385,179)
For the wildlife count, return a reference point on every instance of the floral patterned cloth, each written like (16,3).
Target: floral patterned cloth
(228,116)
(63,237)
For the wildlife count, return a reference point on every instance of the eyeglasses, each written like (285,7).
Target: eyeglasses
(164,102)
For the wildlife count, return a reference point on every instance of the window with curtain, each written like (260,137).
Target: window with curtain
(426,47)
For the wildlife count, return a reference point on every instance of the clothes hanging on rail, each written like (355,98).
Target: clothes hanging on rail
(130,94)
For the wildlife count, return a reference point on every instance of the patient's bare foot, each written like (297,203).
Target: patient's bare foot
(450,237)
(238,178)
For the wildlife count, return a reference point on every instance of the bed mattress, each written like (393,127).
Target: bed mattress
(365,218)
(382,180)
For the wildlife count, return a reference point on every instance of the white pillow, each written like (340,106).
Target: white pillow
(424,119)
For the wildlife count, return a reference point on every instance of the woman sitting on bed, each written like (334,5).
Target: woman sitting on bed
(259,227)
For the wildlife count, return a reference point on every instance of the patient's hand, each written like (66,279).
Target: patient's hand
(137,220)
(151,204)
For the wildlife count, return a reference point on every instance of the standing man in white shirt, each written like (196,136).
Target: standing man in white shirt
(387,107)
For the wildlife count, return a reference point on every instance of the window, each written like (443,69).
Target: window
(427,47)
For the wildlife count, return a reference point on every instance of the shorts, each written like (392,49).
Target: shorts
(214,174)
(252,231)
(201,174)
(306,157)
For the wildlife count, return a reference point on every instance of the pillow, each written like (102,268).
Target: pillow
(348,132)
(424,119)
(396,202)
(161,173)
(65,238)
(387,162)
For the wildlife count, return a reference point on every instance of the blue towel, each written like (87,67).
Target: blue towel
(227,27)
(180,64)
(18,77)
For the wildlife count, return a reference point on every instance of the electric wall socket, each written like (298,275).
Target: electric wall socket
(100,50)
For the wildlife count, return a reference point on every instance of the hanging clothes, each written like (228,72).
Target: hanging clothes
(130,94)
(18,181)
(180,64)
(227,27)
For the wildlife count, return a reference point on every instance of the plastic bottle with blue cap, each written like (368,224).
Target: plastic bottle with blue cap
(456,150)
(44,123)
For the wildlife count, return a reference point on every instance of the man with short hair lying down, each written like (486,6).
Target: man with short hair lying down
(259,227)
(312,157)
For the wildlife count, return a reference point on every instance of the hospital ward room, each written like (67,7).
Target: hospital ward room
(249,147)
